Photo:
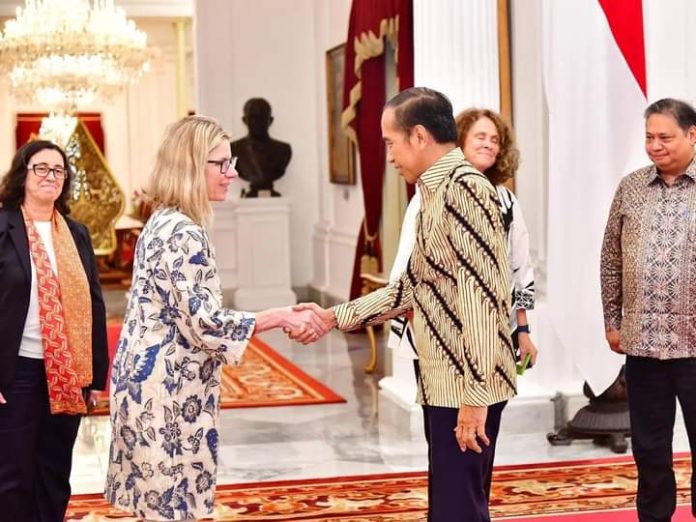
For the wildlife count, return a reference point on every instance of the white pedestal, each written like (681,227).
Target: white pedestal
(263,254)
(397,395)
(223,235)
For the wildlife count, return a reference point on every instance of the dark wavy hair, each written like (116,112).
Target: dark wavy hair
(13,185)
(508,159)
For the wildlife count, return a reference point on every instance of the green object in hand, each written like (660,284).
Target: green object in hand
(522,366)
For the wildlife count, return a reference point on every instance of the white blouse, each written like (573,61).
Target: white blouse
(32,345)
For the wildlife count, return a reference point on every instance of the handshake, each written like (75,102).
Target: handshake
(307,322)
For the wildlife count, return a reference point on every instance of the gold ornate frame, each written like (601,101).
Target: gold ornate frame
(341,149)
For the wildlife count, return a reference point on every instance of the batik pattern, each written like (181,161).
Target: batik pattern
(648,268)
(457,283)
(165,384)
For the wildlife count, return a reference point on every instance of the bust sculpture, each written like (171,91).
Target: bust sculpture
(261,159)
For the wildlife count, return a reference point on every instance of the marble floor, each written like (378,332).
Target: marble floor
(354,438)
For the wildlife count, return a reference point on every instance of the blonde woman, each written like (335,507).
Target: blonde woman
(165,384)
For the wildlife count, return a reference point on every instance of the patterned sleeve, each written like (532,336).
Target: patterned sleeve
(194,297)
(611,267)
(476,235)
(520,260)
(379,306)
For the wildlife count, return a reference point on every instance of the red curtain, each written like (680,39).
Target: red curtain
(364,98)
(29,123)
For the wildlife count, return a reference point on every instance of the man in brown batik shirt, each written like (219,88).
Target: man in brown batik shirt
(648,273)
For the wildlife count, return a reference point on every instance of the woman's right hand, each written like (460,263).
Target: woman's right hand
(305,325)
(2,399)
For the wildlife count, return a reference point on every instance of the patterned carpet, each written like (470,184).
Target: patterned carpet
(594,491)
(264,378)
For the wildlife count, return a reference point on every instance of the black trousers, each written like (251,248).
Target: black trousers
(35,450)
(459,483)
(654,386)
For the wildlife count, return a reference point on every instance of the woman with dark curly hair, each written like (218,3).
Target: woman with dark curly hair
(53,352)
(489,144)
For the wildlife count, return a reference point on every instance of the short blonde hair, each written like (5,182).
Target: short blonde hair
(178,179)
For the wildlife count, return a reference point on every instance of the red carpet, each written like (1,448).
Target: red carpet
(683,514)
(583,491)
(264,378)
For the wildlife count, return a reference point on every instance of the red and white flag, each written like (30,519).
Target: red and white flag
(595,82)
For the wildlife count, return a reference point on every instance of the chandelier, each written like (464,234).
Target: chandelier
(58,128)
(65,54)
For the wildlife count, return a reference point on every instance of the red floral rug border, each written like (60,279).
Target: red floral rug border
(531,492)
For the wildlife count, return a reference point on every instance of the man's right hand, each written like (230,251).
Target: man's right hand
(305,325)
(2,399)
(471,427)
(614,340)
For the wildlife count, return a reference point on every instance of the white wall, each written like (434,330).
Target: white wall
(134,124)
(271,51)
(341,206)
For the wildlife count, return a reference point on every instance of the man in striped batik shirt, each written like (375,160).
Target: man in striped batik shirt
(457,285)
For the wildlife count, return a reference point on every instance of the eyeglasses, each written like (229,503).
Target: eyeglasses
(225,164)
(42,170)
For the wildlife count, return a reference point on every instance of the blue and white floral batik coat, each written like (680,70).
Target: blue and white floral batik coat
(165,382)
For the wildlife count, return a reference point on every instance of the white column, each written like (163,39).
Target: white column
(456,50)
(456,53)
(530,117)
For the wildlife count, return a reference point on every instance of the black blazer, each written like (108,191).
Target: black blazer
(15,288)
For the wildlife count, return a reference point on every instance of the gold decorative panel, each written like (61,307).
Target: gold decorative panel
(96,197)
